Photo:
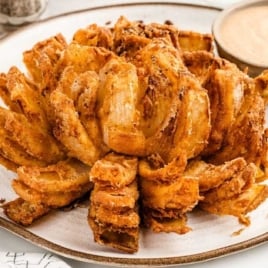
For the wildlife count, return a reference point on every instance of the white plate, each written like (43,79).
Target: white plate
(67,233)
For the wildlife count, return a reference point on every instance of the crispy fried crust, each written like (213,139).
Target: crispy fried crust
(129,36)
(166,199)
(42,62)
(94,35)
(10,150)
(117,111)
(35,141)
(69,175)
(163,173)
(194,41)
(55,185)
(26,96)
(123,239)
(115,224)
(8,163)
(144,112)
(70,131)
(169,224)
(242,139)
(234,186)
(211,176)
(23,212)
(115,170)
(239,205)
(181,195)
(5,94)
(85,58)
(193,125)
(113,212)
(261,83)
(50,199)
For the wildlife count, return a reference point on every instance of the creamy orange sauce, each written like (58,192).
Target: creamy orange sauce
(245,34)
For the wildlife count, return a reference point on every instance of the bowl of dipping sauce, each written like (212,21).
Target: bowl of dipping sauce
(241,35)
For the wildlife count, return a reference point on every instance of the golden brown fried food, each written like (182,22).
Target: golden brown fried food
(193,123)
(165,224)
(165,204)
(27,97)
(118,114)
(23,212)
(5,94)
(239,205)
(226,87)
(201,64)
(117,226)
(261,83)
(235,185)
(212,176)
(113,212)
(12,153)
(94,35)
(129,36)
(8,164)
(159,67)
(226,92)
(50,199)
(69,130)
(223,187)
(162,173)
(85,58)
(169,94)
(66,83)
(180,195)
(114,170)
(124,239)
(113,198)
(263,164)
(68,175)
(35,141)
(124,172)
(244,137)
(43,61)
(149,116)
(86,104)
(161,31)
(82,89)
(194,41)
(44,188)
(167,195)
(237,109)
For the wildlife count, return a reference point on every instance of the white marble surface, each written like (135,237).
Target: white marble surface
(247,259)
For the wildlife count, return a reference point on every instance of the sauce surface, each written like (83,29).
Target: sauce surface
(245,34)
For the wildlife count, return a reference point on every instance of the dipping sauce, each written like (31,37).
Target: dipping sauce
(244,33)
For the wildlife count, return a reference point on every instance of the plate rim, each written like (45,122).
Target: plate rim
(29,236)
(157,262)
(107,6)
